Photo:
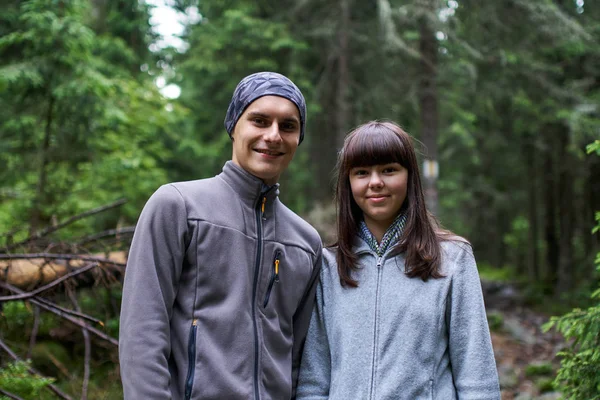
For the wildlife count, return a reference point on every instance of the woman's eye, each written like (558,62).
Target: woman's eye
(359,172)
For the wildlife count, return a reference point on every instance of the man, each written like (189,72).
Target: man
(221,276)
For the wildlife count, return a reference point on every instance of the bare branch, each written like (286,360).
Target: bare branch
(57,310)
(69,221)
(32,371)
(107,233)
(81,257)
(50,285)
(34,330)
(9,395)
(88,349)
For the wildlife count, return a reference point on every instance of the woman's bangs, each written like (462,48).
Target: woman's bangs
(373,146)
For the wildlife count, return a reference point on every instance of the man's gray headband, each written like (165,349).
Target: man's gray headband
(263,84)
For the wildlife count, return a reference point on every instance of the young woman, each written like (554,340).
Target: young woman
(399,312)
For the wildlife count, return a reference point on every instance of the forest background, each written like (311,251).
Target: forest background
(503,97)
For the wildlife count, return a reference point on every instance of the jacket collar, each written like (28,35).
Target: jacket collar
(360,246)
(247,186)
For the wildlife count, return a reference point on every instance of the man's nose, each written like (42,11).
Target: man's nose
(272,133)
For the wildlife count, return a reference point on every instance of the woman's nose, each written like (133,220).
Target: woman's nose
(375,180)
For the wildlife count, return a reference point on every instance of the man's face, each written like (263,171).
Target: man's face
(266,137)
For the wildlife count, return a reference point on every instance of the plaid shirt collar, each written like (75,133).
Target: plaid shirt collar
(389,239)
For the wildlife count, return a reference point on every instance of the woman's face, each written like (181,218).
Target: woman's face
(379,191)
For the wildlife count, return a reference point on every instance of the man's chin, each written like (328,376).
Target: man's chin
(267,176)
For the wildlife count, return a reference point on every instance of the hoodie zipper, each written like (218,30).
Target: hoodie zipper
(189,380)
(274,277)
(375,335)
(260,209)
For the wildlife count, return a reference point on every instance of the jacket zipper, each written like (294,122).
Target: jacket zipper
(375,338)
(259,212)
(274,277)
(189,380)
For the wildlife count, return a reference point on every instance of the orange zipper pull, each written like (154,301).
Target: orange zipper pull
(263,204)
(277,267)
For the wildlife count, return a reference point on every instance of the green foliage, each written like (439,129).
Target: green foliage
(15,379)
(545,384)
(594,147)
(578,376)
(495,321)
(490,273)
(81,124)
(538,369)
(16,313)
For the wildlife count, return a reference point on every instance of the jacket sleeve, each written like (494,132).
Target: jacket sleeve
(302,319)
(150,286)
(315,369)
(470,346)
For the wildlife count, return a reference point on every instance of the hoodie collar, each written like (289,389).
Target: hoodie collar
(247,186)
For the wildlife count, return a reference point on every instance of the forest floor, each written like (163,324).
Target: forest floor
(525,355)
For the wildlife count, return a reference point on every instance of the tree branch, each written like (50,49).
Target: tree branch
(107,233)
(32,371)
(69,221)
(88,349)
(59,311)
(9,395)
(34,330)
(51,256)
(50,285)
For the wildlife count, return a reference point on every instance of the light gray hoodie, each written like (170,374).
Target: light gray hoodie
(218,292)
(396,337)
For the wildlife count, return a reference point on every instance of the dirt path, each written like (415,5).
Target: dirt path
(525,356)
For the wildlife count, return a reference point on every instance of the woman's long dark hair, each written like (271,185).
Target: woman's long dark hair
(376,143)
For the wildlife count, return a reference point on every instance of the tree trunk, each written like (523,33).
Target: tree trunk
(565,196)
(551,212)
(428,103)
(532,209)
(343,79)
(36,211)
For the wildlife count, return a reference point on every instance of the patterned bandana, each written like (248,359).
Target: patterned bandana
(389,239)
(263,84)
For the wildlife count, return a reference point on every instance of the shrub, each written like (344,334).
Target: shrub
(16,379)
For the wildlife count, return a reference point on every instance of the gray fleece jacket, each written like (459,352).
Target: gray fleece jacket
(218,292)
(396,337)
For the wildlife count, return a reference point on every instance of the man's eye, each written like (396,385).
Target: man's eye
(259,121)
(288,127)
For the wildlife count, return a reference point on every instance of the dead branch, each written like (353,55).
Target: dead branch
(56,310)
(62,309)
(34,330)
(32,371)
(88,348)
(61,257)
(9,395)
(104,234)
(50,285)
(69,221)
(28,271)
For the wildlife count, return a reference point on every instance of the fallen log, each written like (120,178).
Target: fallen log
(27,272)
